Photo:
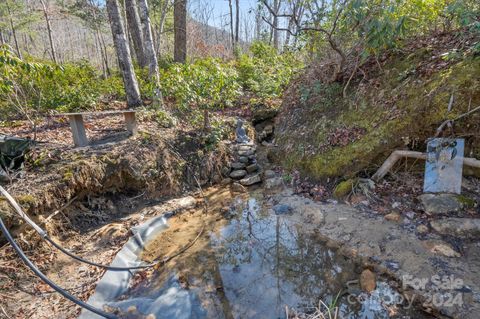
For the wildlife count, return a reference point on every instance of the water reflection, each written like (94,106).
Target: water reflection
(267,262)
(259,263)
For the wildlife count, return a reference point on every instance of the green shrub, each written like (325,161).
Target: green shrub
(264,72)
(206,83)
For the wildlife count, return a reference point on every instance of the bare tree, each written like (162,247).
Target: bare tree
(133,23)
(166,6)
(150,54)
(237,21)
(14,32)
(180,30)
(232,35)
(123,54)
(317,12)
(49,30)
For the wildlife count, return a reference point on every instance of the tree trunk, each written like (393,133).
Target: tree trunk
(14,32)
(105,54)
(258,24)
(49,31)
(123,54)
(133,23)
(150,54)
(276,7)
(237,21)
(232,35)
(163,16)
(180,30)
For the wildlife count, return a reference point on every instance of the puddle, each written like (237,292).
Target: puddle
(253,263)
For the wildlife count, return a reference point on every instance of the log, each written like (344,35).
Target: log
(398,154)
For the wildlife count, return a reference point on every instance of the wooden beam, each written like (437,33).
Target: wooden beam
(78,130)
(398,154)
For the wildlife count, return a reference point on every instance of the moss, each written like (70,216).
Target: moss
(466,201)
(344,188)
(389,114)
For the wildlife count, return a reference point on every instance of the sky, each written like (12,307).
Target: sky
(220,9)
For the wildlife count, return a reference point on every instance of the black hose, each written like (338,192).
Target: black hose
(66,252)
(57,288)
(44,235)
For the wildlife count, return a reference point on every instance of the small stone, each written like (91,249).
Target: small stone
(238,165)
(368,281)
(238,174)
(237,188)
(282,209)
(268,129)
(246,153)
(250,180)
(252,168)
(410,215)
(226,181)
(273,183)
(440,203)
(395,205)
(393,217)
(460,227)
(246,147)
(422,229)
(269,173)
(265,143)
(226,171)
(151,316)
(444,250)
(243,159)
(217,178)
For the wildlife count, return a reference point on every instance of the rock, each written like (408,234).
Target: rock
(368,280)
(282,209)
(226,181)
(237,165)
(268,129)
(238,174)
(263,114)
(265,143)
(243,159)
(250,180)
(269,173)
(246,152)
(393,217)
(441,203)
(272,183)
(422,229)
(444,250)
(252,168)
(237,188)
(410,215)
(459,227)
(246,147)
(226,171)
(217,178)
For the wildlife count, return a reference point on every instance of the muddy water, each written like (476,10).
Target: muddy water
(250,262)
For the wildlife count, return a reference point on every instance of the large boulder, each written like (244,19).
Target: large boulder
(459,227)
(434,204)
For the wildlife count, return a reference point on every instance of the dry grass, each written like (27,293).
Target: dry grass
(323,311)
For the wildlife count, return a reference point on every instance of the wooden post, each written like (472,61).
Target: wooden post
(78,130)
(131,122)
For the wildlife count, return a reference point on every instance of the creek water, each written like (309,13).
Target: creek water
(255,263)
